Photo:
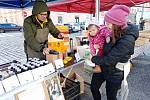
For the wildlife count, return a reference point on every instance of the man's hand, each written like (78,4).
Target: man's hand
(97,69)
(60,36)
(46,51)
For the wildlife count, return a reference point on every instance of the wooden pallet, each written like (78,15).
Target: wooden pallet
(145,34)
(141,41)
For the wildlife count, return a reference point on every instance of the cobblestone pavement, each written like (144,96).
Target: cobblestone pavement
(139,79)
(11,47)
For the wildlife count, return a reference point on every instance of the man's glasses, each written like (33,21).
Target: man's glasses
(43,14)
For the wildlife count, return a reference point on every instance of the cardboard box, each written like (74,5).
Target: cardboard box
(59,45)
(71,90)
(37,92)
(51,57)
(81,80)
(54,89)
(76,77)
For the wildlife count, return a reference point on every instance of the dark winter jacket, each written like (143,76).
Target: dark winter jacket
(121,51)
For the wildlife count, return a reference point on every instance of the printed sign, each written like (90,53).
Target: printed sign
(59,63)
(25,77)
(10,83)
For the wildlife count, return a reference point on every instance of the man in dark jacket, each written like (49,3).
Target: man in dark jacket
(119,50)
(36,29)
(141,23)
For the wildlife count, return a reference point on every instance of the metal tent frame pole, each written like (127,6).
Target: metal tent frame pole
(97,9)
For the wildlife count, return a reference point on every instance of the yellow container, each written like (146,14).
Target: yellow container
(63,29)
(58,44)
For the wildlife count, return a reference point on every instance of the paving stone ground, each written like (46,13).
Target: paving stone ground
(11,48)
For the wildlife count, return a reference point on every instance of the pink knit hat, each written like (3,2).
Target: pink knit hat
(117,15)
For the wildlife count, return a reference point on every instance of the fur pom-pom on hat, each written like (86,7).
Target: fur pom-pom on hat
(94,21)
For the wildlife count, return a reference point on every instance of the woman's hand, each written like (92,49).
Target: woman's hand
(46,51)
(97,69)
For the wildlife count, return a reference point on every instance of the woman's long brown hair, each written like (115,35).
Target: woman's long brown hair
(116,33)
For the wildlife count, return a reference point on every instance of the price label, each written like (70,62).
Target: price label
(25,77)
(77,56)
(48,69)
(38,73)
(59,63)
(10,83)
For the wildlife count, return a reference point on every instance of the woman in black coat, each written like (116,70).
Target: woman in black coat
(118,50)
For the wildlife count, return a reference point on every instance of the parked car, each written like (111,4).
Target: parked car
(82,25)
(9,27)
(73,27)
(76,27)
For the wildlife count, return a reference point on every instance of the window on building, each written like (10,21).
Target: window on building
(60,20)
(77,19)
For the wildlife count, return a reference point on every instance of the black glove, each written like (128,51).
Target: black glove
(95,59)
(53,52)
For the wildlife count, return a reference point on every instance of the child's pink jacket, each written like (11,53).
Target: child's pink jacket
(99,39)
